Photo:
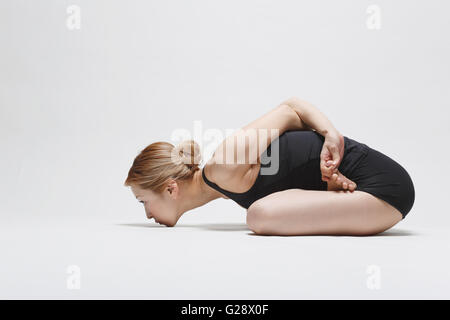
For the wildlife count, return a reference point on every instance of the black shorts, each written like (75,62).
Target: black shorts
(378,174)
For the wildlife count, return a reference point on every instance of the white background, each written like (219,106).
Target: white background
(76,106)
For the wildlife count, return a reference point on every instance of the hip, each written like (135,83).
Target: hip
(381,176)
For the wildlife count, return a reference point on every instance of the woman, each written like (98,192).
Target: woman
(324,183)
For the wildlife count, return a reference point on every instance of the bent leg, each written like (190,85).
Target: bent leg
(310,212)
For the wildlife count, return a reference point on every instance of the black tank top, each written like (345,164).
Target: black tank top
(297,166)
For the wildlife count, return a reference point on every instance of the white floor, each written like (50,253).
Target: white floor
(200,260)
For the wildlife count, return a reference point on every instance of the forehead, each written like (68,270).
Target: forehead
(138,192)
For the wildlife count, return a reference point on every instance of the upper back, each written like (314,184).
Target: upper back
(246,146)
(290,161)
(236,179)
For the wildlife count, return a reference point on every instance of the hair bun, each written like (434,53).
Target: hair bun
(188,153)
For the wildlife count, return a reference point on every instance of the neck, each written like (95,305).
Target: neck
(197,193)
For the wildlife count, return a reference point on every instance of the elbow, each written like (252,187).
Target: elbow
(293,101)
(294,110)
(296,104)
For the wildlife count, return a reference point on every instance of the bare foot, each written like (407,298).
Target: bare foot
(340,182)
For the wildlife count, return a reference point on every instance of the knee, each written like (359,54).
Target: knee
(258,217)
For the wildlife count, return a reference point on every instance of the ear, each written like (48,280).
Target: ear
(172,187)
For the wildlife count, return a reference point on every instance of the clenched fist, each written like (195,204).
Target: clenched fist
(330,159)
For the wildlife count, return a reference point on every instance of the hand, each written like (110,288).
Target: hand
(330,159)
(340,182)
(331,154)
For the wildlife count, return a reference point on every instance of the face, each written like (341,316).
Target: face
(159,206)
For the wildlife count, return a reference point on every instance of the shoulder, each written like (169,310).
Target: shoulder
(213,173)
(216,172)
(235,179)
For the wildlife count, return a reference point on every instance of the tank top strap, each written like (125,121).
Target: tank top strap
(230,194)
(210,183)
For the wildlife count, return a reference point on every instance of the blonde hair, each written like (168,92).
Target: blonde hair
(161,161)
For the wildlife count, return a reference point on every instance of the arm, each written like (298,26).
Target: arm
(250,141)
(311,116)
(333,148)
(273,123)
(282,118)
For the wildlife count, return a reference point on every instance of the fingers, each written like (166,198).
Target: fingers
(335,154)
(325,156)
(327,169)
(330,163)
(327,172)
(327,176)
(343,182)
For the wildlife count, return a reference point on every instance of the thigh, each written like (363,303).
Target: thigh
(311,212)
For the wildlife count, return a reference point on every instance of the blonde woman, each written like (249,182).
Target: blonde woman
(324,184)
